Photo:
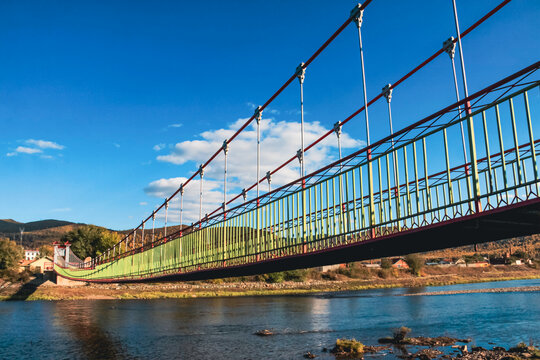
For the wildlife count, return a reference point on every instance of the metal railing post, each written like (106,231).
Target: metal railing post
(201,173)
(387,91)
(166,215)
(153,225)
(142,234)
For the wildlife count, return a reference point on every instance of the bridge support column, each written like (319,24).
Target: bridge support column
(55,252)
(68,245)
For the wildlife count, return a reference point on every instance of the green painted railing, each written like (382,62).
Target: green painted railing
(342,204)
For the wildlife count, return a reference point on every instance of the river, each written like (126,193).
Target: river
(222,328)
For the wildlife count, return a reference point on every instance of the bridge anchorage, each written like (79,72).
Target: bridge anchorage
(407,192)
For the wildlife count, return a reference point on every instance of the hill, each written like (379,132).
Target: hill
(12,226)
(42,232)
(36,233)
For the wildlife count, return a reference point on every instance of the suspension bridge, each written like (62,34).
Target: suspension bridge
(463,175)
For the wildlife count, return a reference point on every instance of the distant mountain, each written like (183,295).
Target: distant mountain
(36,233)
(12,226)
(10,221)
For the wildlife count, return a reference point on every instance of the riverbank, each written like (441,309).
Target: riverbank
(228,288)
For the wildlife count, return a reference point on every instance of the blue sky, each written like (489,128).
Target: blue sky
(102,92)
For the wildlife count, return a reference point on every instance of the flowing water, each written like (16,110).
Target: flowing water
(222,328)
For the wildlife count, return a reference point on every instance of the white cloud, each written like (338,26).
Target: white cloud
(158,147)
(37,148)
(143,203)
(27,150)
(175,125)
(279,141)
(44,144)
(163,188)
(116,145)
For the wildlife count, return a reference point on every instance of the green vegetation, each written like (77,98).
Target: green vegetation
(46,250)
(10,254)
(90,240)
(278,277)
(348,347)
(415,262)
(470,259)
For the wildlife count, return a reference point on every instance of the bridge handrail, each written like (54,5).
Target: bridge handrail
(339,164)
(325,44)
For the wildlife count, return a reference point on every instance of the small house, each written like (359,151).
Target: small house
(399,264)
(31,254)
(461,262)
(42,265)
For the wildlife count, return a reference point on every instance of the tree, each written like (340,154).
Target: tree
(386,263)
(46,250)
(415,262)
(90,240)
(10,254)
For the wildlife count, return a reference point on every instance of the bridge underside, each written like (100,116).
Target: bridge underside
(516,220)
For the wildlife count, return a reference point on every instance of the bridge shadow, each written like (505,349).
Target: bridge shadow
(82,322)
(27,289)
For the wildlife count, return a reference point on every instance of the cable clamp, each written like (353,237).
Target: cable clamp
(357,13)
(301,72)
(225,147)
(387,92)
(201,171)
(337,128)
(269,177)
(300,155)
(244,194)
(449,46)
(258,114)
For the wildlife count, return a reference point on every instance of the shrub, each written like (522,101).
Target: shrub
(10,254)
(313,274)
(349,347)
(14,276)
(415,262)
(401,333)
(384,273)
(386,263)
(298,275)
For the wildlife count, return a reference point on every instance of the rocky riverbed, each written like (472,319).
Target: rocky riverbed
(426,348)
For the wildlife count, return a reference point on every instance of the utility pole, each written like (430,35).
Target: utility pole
(21,230)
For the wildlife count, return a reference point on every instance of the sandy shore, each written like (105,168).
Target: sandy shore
(222,288)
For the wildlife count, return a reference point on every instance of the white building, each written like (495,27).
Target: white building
(30,254)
